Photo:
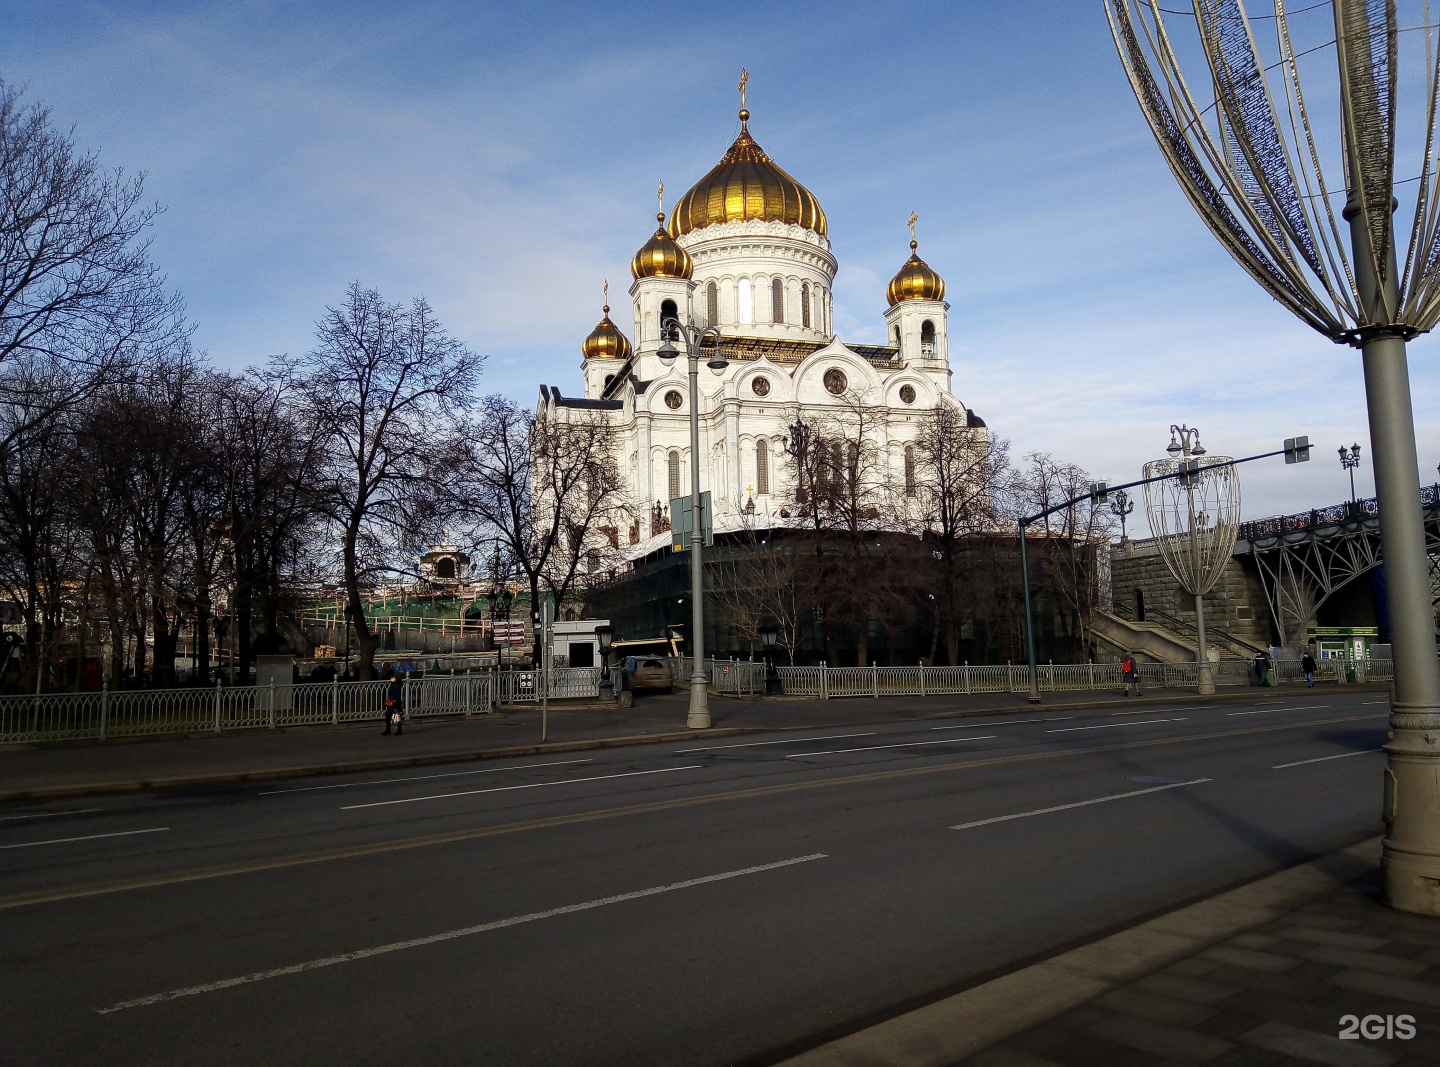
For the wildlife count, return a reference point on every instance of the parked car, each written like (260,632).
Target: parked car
(653,674)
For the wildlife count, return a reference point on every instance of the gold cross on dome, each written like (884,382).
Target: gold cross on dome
(744,78)
(607,294)
(914,218)
(660,197)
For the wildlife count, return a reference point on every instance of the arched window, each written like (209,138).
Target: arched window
(897,336)
(747,303)
(667,312)
(712,305)
(805,304)
(927,338)
(445,569)
(777,300)
(762,466)
(909,470)
(674,475)
(608,379)
(1139,605)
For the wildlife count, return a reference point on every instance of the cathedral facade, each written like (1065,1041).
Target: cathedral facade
(747,250)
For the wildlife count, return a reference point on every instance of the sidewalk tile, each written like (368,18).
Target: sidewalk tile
(1195,990)
(1230,1023)
(1315,1047)
(1368,961)
(1253,941)
(1401,988)
(1246,1056)
(1155,1007)
(1250,959)
(1317,936)
(1319,914)
(1191,968)
(1009,1057)
(1070,1047)
(1184,1046)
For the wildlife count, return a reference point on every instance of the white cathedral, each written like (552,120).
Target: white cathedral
(747,250)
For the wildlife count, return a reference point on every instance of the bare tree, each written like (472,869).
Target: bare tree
(78,293)
(544,486)
(382,385)
(963,482)
(1073,535)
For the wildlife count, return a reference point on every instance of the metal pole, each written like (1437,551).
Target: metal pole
(104,710)
(334,701)
(272,703)
(1029,619)
(217,705)
(699,717)
(1204,684)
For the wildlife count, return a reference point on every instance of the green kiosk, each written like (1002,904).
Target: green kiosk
(1349,644)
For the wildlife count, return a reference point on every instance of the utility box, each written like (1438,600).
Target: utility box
(281,671)
(1349,644)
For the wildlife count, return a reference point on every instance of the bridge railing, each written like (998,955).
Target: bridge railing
(1350,511)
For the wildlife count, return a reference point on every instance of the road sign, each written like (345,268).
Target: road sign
(526,680)
(510,633)
(680,525)
(1297,449)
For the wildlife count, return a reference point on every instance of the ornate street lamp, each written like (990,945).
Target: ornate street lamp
(606,636)
(695,337)
(1350,460)
(1264,172)
(1195,516)
(1121,505)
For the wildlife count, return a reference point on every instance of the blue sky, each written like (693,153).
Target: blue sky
(501,160)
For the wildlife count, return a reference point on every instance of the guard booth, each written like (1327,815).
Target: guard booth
(1348,644)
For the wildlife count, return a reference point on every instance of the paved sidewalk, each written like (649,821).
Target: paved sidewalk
(68,769)
(1263,975)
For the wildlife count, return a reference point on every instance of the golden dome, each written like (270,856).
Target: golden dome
(916,280)
(606,341)
(661,257)
(746,185)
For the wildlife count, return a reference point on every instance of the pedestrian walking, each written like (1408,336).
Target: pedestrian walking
(1131,674)
(627,673)
(1307,666)
(395,704)
(1261,663)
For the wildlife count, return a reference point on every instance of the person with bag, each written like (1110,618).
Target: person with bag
(395,704)
(1130,673)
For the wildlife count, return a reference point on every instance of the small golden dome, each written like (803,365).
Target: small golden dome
(916,280)
(661,257)
(747,185)
(606,341)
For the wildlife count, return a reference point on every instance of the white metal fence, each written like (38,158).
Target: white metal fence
(746,678)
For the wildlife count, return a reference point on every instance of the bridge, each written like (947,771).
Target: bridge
(1304,559)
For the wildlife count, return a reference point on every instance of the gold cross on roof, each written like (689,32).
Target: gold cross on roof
(914,218)
(660,197)
(607,294)
(744,78)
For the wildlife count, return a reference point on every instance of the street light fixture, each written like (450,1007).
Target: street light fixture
(606,636)
(695,337)
(1122,506)
(1350,459)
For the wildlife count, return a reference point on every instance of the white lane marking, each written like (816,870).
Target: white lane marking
(908,744)
(1374,701)
(450,935)
(1109,725)
(1009,722)
(1077,804)
(530,785)
(1262,711)
(1188,707)
(1303,707)
(1322,759)
(87,837)
(48,814)
(422,777)
(757,744)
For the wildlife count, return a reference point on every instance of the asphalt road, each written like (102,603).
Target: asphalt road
(690,903)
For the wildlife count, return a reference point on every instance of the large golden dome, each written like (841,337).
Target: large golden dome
(606,341)
(916,280)
(747,185)
(661,257)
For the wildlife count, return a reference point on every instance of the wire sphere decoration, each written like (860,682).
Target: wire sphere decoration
(1195,518)
(1267,171)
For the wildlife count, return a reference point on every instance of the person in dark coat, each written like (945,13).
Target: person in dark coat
(1130,673)
(395,704)
(1307,665)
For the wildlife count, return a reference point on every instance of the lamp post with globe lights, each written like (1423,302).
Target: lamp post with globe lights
(694,337)
(1121,507)
(1350,459)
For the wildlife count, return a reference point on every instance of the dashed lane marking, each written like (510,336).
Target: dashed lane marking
(87,837)
(1322,759)
(757,744)
(1077,804)
(48,814)
(449,935)
(1011,722)
(908,744)
(511,788)
(423,777)
(1110,725)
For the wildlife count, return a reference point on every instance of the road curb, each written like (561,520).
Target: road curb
(948,1031)
(195,781)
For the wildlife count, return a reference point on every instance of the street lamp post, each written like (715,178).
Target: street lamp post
(1122,506)
(1184,446)
(1350,459)
(606,636)
(694,337)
